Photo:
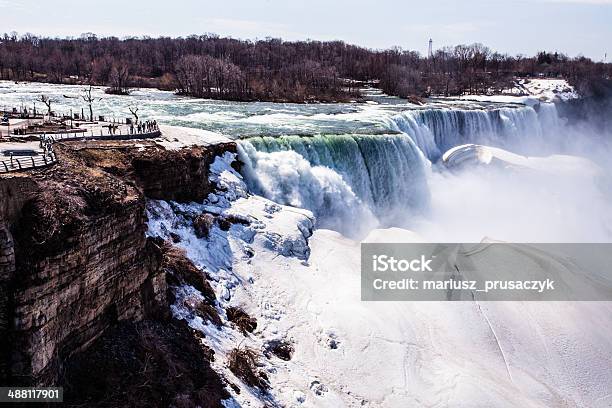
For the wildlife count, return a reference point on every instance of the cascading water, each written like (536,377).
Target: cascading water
(341,178)
(435,131)
(380,179)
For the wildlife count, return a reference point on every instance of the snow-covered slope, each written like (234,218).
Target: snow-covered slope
(375,354)
(547,88)
(531,91)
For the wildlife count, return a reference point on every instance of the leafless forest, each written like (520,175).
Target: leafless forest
(275,70)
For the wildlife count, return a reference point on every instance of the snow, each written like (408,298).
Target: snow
(274,229)
(305,289)
(530,92)
(560,165)
(548,89)
(178,137)
(524,100)
(394,234)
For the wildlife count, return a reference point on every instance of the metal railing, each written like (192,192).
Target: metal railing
(27,162)
(31,162)
(28,113)
(119,135)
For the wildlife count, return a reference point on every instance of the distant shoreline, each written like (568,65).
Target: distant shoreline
(273,70)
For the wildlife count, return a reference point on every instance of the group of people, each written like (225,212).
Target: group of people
(144,127)
(46,144)
(112,129)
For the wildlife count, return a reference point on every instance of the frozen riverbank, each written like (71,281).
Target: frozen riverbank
(379,354)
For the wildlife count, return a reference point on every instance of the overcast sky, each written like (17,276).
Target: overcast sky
(512,26)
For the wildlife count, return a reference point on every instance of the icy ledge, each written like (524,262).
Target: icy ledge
(473,154)
(349,353)
(244,226)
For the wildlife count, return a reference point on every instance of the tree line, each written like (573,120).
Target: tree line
(274,70)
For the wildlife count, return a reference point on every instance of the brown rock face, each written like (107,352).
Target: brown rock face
(142,365)
(108,272)
(74,258)
(7,269)
(14,193)
(178,175)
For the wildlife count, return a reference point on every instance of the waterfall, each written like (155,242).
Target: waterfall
(342,178)
(519,129)
(381,179)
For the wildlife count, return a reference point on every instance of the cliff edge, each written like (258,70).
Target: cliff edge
(77,272)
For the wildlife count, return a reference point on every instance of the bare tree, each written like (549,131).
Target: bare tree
(118,79)
(134,111)
(209,77)
(47,101)
(275,70)
(86,94)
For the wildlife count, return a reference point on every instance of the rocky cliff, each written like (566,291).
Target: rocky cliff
(74,258)
(7,269)
(178,175)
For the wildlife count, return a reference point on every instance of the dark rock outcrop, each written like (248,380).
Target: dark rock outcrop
(7,270)
(75,262)
(177,175)
(144,364)
(591,113)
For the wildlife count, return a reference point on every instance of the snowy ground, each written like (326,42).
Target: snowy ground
(530,92)
(177,137)
(305,290)
(546,88)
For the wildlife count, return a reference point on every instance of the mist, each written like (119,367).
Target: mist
(519,205)
(562,195)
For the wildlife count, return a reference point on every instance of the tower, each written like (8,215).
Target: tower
(430,53)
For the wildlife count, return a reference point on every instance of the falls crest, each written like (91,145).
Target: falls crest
(520,129)
(381,180)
